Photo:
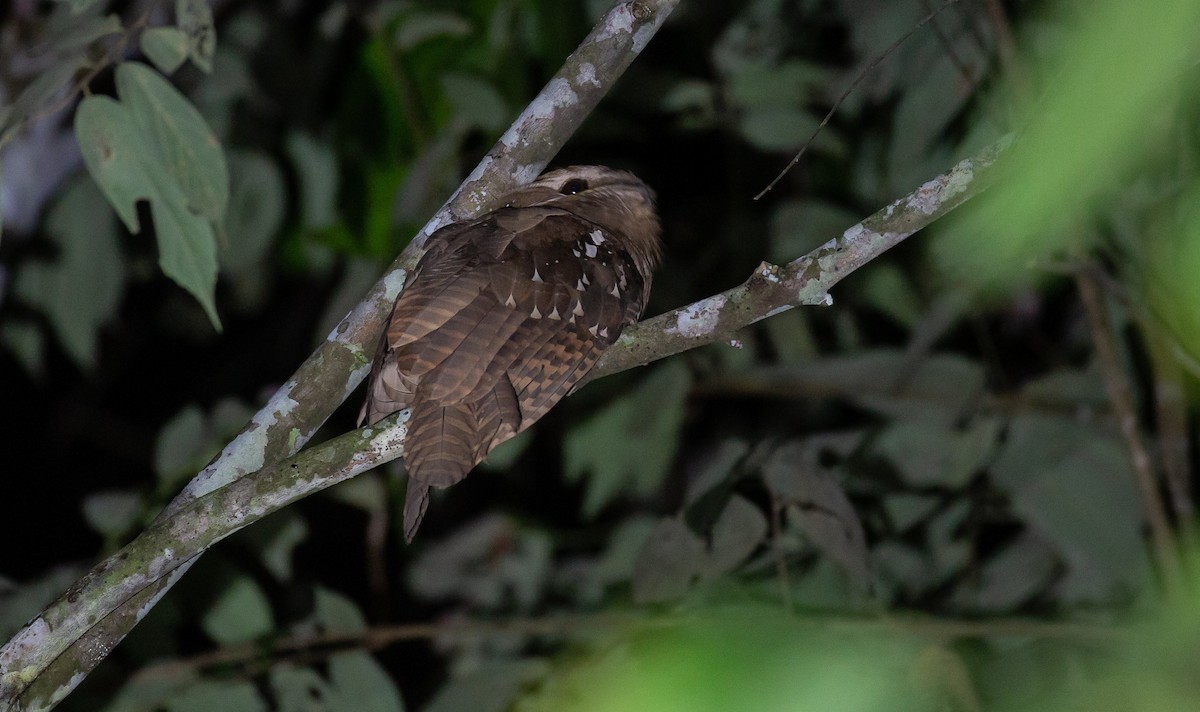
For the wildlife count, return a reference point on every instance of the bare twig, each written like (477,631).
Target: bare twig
(849,90)
(378,637)
(1120,392)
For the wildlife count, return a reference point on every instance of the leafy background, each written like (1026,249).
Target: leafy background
(918,498)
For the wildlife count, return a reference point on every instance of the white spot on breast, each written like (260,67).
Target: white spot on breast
(537,277)
(579,284)
(591,250)
(578,310)
(592,330)
(535,313)
(604,333)
(615,291)
(577,253)
(597,237)
(554,313)
(585,280)
(510,302)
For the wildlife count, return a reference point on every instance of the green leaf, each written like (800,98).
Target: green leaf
(489,562)
(224,695)
(40,91)
(186,146)
(276,540)
(929,453)
(157,148)
(492,687)
(256,210)
(737,533)
(669,561)
(1075,485)
(19,604)
(336,613)
(180,443)
(166,47)
(25,343)
(240,613)
(818,506)
(195,20)
(631,443)
(80,292)
(317,166)
(888,288)
(475,101)
(419,26)
(82,31)
(297,689)
(112,513)
(361,684)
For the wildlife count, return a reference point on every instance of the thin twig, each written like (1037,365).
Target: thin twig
(378,637)
(853,85)
(1120,392)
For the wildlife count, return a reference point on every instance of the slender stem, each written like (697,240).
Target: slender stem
(1120,392)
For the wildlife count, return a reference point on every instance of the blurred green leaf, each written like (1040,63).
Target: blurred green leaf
(256,210)
(181,443)
(40,91)
(195,20)
(818,506)
(1120,68)
(492,687)
(298,689)
(239,614)
(79,292)
(489,563)
(1075,485)
(361,684)
(24,341)
(672,557)
(81,30)
(929,454)
(422,25)
(316,164)
(224,695)
(739,530)
(889,289)
(112,513)
(335,613)
(476,101)
(166,47)
(631,443)
(19,604)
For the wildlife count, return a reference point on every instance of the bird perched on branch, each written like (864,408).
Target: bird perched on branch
(506,313)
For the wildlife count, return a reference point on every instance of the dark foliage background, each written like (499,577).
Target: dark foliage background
(918,497)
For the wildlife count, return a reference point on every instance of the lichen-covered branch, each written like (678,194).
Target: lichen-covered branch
(53,653)
(773,289)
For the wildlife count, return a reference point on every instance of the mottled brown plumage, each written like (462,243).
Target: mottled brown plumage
(505,314)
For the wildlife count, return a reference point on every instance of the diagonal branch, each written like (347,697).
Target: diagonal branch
(171,542)
(52,654)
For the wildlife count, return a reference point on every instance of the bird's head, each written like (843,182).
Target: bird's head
(613,199)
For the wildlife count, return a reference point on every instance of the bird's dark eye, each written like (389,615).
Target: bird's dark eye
(573,186)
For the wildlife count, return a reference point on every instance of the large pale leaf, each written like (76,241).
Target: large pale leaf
(128,168)
(186,146)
